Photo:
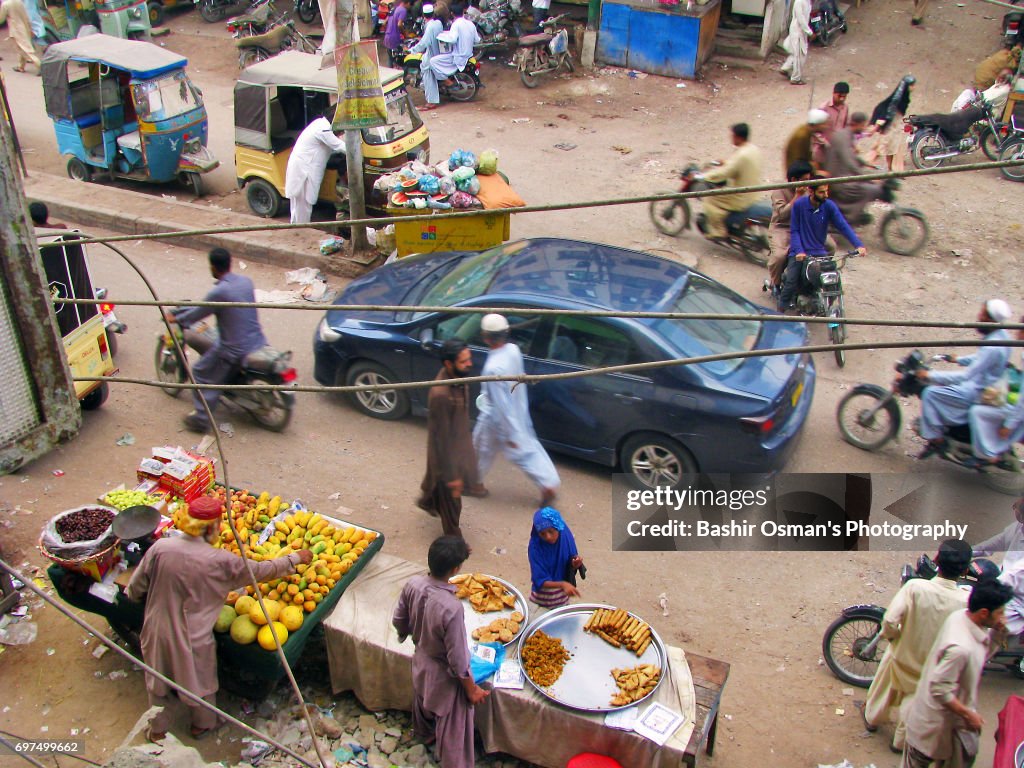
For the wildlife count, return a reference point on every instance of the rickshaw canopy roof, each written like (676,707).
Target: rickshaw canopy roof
(141,59)
(301,69)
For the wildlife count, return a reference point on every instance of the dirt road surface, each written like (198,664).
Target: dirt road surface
(762,612)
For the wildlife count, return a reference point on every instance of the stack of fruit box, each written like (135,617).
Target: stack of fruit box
(185,474)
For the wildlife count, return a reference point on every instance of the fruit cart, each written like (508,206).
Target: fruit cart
(248,669)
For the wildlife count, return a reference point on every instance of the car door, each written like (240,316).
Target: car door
(587,415)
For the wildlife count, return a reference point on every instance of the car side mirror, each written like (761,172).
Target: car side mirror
(427,341)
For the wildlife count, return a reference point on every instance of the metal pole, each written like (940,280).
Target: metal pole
(353,142)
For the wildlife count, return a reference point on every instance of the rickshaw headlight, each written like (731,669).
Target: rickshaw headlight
(194,145)
(136,13)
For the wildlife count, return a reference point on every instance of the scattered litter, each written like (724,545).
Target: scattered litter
(74,731)
(44,729)
(256,751)
(520,119)
(335,496)
(663,602)
(50,651)
(248,707)
(243,265)
(312,280)
(58,473)
(566,146)
(117,674)
(126,439)
(20,612)
(840,711)
(16,583)
(499,551)
(331,245)
(847,691)
(344,754)
(622,150)
(680,85)
(99,651)
(226,428)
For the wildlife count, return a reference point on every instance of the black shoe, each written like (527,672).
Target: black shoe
(916,22)
(195,423)
(931,449)
(864,718)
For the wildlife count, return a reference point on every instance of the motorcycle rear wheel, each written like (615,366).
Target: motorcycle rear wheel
(670,217)
(755,244)
(1012,150)
(990,142)
(250,56)
(905,231)
(868,434)
(274,413)
(1003,481)
(212,11)
(842,647)
(925,145)
(530,81)
(308,10)
(837,331)
(168,367)
(464,88)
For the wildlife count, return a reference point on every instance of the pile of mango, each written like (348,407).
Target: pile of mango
(250,514)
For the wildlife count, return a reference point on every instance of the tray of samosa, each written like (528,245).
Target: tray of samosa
(495,611)
(592,657)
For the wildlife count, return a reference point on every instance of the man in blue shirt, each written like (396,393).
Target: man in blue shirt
(809,222)
(238,330)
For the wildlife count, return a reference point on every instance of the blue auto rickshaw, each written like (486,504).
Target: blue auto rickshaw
(127,109)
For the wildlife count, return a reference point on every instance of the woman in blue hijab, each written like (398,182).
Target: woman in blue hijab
(552,553)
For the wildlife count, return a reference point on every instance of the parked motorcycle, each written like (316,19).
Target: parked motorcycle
(283,37)
(1012,26)
(307,10)
(496,21)
(869,416)
(853,644)
(543,53)
(936,138)
(259,18)
(825,22)
(821,295)
(747,230)
(272,409)
(904,231)
(1012,148)
(214,10)
(465,82)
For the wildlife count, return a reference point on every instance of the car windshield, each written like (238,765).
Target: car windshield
(695,338)
(165,97)
(468,280)
(401,120)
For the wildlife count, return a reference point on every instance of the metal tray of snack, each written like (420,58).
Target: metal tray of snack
(479,620)
(586,681)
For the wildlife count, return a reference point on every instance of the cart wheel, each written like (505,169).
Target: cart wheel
(78,170)
(156,13)
(262,198)
(96,398)
(193,181)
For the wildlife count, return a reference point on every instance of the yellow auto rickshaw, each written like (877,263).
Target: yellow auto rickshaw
(277,98)
(82,326)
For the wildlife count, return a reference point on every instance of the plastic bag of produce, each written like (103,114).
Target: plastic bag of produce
(430,184)
(80,532)
(462,173)
(464,200)
(447,186)
(438,205)
(462,158)
(470,185)
(488,162)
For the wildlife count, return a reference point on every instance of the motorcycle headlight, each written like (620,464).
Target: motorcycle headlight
(327,334)
(830,278)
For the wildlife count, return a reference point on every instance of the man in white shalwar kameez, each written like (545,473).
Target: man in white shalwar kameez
(430,47)
(306,166)
(949,395)
(1010,542)
(466,36)
(19,27)
(911,623)
(504,424)
(995,429)
(795,43)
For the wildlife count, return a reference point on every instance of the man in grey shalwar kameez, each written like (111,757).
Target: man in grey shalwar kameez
(504,423)
(185,581)
(950,394)
(442,682)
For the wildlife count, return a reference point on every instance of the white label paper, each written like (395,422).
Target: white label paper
(509,675)
(658,723)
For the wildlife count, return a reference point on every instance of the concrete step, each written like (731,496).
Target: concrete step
(738,51)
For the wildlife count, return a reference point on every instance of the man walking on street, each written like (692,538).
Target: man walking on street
(943,723)
(742,169)
(451,460)
(238,330)
(19,29)
(911,623)
(442,683)
(796,42)
(504,424)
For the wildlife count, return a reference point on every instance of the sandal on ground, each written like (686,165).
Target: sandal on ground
(428,107)
(155,737)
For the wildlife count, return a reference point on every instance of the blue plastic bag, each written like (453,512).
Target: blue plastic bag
(481,667)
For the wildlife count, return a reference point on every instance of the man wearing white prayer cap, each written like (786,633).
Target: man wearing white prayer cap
(947,399)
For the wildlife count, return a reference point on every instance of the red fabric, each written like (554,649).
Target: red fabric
(590,760)
(1010,734)
(205,508)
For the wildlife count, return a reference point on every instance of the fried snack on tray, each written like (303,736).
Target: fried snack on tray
(618,628)
(543,657)
(484,593)
(498,631)
(634,683)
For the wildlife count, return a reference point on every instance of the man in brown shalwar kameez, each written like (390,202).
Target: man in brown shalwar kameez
(185,581)
(451,460)
(442,710)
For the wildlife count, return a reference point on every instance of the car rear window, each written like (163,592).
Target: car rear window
(695,338)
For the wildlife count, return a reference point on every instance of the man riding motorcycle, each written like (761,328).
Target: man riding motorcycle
(995,429)
(841,159)
(742,169)
(949,395)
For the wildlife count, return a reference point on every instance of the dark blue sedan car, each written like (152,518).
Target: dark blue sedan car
(661,425)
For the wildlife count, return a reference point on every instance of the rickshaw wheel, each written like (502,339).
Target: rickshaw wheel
(193,181)
(96,398)
(78,170)
(262,198)
(156,13)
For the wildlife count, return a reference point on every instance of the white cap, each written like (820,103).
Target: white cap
(817,117)
(427,8)
(998,310)
(494,323)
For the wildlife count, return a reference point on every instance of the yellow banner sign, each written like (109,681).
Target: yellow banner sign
(360,94)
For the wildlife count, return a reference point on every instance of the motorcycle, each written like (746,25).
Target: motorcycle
(869,417)
(260,17)
(544,52)
(283,37)
(1012,148)
(747,230)
(821,295)
(496,22)
(904,230)
(853,644)
(825,22)
(214,10)
(936,138)
(1012,26)
(465,82)
(271,409)
(308,11)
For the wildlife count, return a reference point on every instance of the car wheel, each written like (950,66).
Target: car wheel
(262,198)
(657,461)
(388,404)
